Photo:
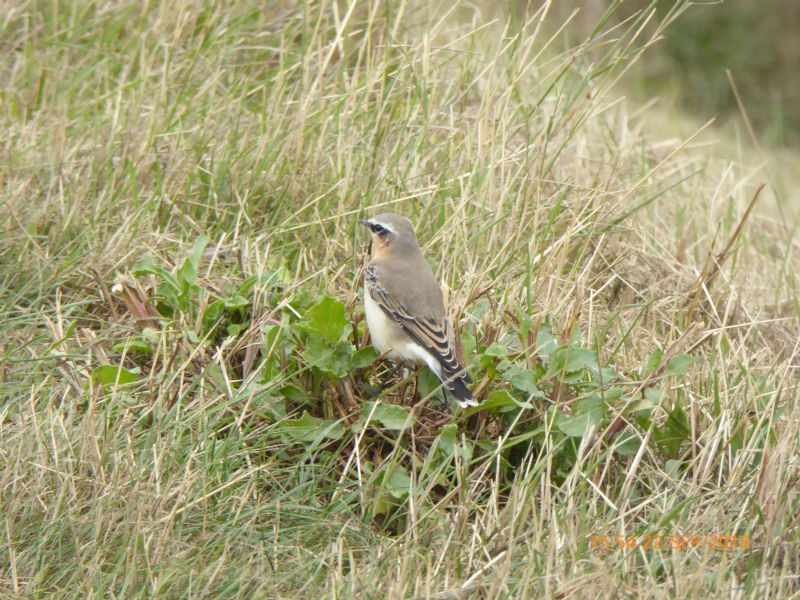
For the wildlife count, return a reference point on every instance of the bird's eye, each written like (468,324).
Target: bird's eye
(379,229)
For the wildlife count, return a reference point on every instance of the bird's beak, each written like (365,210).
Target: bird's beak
(365,222)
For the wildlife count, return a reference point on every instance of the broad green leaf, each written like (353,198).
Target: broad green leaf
(335,359)
(496,350)
(211,315)
(391,416)
(653,361)
(524,380)
(611,394)
(628,446)
(275,341)
(214,374)
(525,324)
(262,399)
(151,335)
(546,342)
(394,480)
(587,413)
(675,430)
(448,442)
(448,437)
(571,360)
(579,358)
(327,319)
(364,357)
(187,274)
(428,383)
(309,429)
(115,374)
(148,266)
(498,401)
(678,422)
(132,345)
(468,344)
(236,301)
(295,394)
(679,364)
(170,296)
(651,399)
(604,375)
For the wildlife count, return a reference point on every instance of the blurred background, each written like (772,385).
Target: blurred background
(757,40)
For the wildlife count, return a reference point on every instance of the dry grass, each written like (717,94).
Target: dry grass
(133,129)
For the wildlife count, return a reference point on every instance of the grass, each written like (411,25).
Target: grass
(185,384)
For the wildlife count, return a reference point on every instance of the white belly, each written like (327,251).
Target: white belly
(387,336)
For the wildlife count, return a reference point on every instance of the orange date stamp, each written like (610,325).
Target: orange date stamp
(647,541)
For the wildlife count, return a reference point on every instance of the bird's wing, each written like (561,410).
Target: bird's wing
(431,333)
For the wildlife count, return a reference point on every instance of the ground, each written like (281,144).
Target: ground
(190,406)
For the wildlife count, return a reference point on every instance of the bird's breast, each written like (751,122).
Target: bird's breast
(388,336)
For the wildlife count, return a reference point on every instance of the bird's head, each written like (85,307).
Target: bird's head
(390,232)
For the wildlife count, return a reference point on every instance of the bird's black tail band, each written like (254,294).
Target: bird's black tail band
(457,384)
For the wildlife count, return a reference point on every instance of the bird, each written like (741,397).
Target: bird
(404,306)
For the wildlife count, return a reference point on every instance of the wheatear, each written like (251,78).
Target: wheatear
(405,311)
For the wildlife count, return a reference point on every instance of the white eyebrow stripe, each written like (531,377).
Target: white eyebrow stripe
(384,225)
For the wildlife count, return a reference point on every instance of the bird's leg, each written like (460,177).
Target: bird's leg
(415,391)
(402,391)
(373,391)
(387,380)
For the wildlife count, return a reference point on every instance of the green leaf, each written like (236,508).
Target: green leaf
(333,359)
(449,445)
(672,467)
(579,358)
(468,344)
(236,301)
(572,360)
(151,335)
(364,357)
(262,400)
(327,319)
(148,266)
(215,376)
(308,429)
(679,364)
(498,401)
(428,383)
(587,413)
(448,437)
(211,315)
(394,480)
(391,416)
(652,398)
(187,273)
(546,342)
(627,447)
(524,380)
(678,422)
(611,394)
(276,345)
(115,375)
(295,394)
(496,350)
(132,345)
(653,361)
(675,431)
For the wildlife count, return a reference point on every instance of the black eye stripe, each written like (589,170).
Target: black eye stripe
(379,229)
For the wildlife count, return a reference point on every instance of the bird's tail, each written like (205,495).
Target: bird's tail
(457,384)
